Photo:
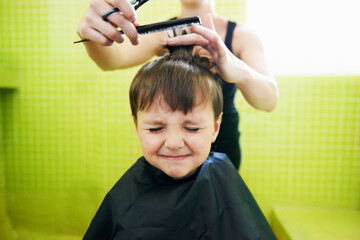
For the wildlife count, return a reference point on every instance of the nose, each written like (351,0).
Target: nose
(174,140)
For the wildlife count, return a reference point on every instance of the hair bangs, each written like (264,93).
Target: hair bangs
(181,83)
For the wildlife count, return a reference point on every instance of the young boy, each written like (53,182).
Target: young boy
(178,189)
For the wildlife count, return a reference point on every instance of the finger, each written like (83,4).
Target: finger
(188,39)
(117,19)
(94,21)
(207,30)
(126,9)
(100,7)
(89,29)
(128,28)
(202,52)
(109,31)
(96,36)
(204,32)
(215,45)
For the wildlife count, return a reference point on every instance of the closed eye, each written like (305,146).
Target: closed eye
(192,129)
(157,129)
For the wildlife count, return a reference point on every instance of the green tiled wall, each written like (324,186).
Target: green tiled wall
(307,152)
(68,134)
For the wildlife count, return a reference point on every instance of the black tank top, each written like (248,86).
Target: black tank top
(229,135)
(229,89)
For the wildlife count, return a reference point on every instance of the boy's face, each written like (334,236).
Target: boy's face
(174,142)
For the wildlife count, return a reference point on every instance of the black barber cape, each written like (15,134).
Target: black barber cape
(147,204)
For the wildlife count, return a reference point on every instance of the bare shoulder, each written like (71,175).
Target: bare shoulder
(244,38)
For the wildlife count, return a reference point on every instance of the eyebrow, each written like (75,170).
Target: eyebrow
(193,122)
(153,122)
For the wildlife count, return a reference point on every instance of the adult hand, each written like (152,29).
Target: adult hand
(94,28)
(206,37)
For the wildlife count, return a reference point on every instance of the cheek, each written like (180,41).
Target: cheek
(199,143)
(150,144)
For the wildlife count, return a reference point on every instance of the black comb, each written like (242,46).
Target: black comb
(163,26)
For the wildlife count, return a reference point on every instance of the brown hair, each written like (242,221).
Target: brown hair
(179,77)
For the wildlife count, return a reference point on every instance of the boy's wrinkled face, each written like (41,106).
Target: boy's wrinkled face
(174,142)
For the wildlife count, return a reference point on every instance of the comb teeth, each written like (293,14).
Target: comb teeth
(166,29)
(168,25)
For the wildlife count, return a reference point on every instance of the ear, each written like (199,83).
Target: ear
(217,128)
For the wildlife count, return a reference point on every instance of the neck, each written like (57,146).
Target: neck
(197,9)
